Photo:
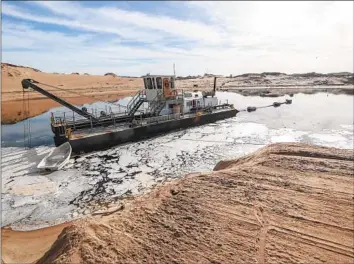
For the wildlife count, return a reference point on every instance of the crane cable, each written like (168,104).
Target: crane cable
(24,118)
(27,121)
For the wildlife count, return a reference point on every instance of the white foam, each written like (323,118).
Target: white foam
(348,127)
(24,201)
(328,137)
(118,175)
(250,130)
(286,135)
(11,157)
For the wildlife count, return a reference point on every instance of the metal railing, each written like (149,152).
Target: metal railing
(157,119)
(134,101)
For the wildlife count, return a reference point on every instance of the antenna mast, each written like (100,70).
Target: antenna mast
(174,70)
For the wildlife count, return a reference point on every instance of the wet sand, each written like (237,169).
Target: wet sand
(287,202)
(28,246)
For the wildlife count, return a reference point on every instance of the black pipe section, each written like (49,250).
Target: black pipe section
(214,84)
(251,109)
(29,83)
(288,101)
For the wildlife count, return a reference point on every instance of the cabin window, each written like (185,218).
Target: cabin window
(159,82)
(198,103)
(145,83)
(170,106)
(153,83)
(172,83)
(189,103)
(149,83)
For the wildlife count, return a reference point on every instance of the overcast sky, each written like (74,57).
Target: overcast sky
(135,38)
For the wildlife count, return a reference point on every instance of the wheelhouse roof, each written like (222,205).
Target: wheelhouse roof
(163,75)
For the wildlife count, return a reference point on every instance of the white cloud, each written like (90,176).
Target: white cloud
(237,37)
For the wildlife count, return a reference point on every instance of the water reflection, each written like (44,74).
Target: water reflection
(314,112)
(41,133)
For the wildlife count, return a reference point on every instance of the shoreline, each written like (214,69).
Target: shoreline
(31,244)
(13,113)
(277,91)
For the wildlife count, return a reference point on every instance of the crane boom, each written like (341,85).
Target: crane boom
(30,83)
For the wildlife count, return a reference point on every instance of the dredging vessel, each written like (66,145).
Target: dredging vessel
(159,108)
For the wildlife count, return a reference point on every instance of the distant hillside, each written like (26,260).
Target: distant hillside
(5,65)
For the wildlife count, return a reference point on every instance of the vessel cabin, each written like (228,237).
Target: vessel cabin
(162,88)
(196,100)
(159,87)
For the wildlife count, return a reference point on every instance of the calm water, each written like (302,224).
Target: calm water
(41,133)
(307,112)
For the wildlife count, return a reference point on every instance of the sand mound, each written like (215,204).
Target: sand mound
(285,203)
(9,65)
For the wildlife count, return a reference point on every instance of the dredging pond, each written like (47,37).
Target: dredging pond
(93,181)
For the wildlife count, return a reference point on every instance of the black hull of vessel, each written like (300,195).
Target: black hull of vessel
(109,139)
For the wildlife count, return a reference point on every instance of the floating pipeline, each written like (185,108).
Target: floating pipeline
(275,104)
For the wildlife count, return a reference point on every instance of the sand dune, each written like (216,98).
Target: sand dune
(286,203)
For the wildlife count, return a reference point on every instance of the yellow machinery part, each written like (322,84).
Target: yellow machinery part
(68,133)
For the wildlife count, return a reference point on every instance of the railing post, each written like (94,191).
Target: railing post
(74,120)
(91,123)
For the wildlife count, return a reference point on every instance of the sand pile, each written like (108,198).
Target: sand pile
(285,203)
